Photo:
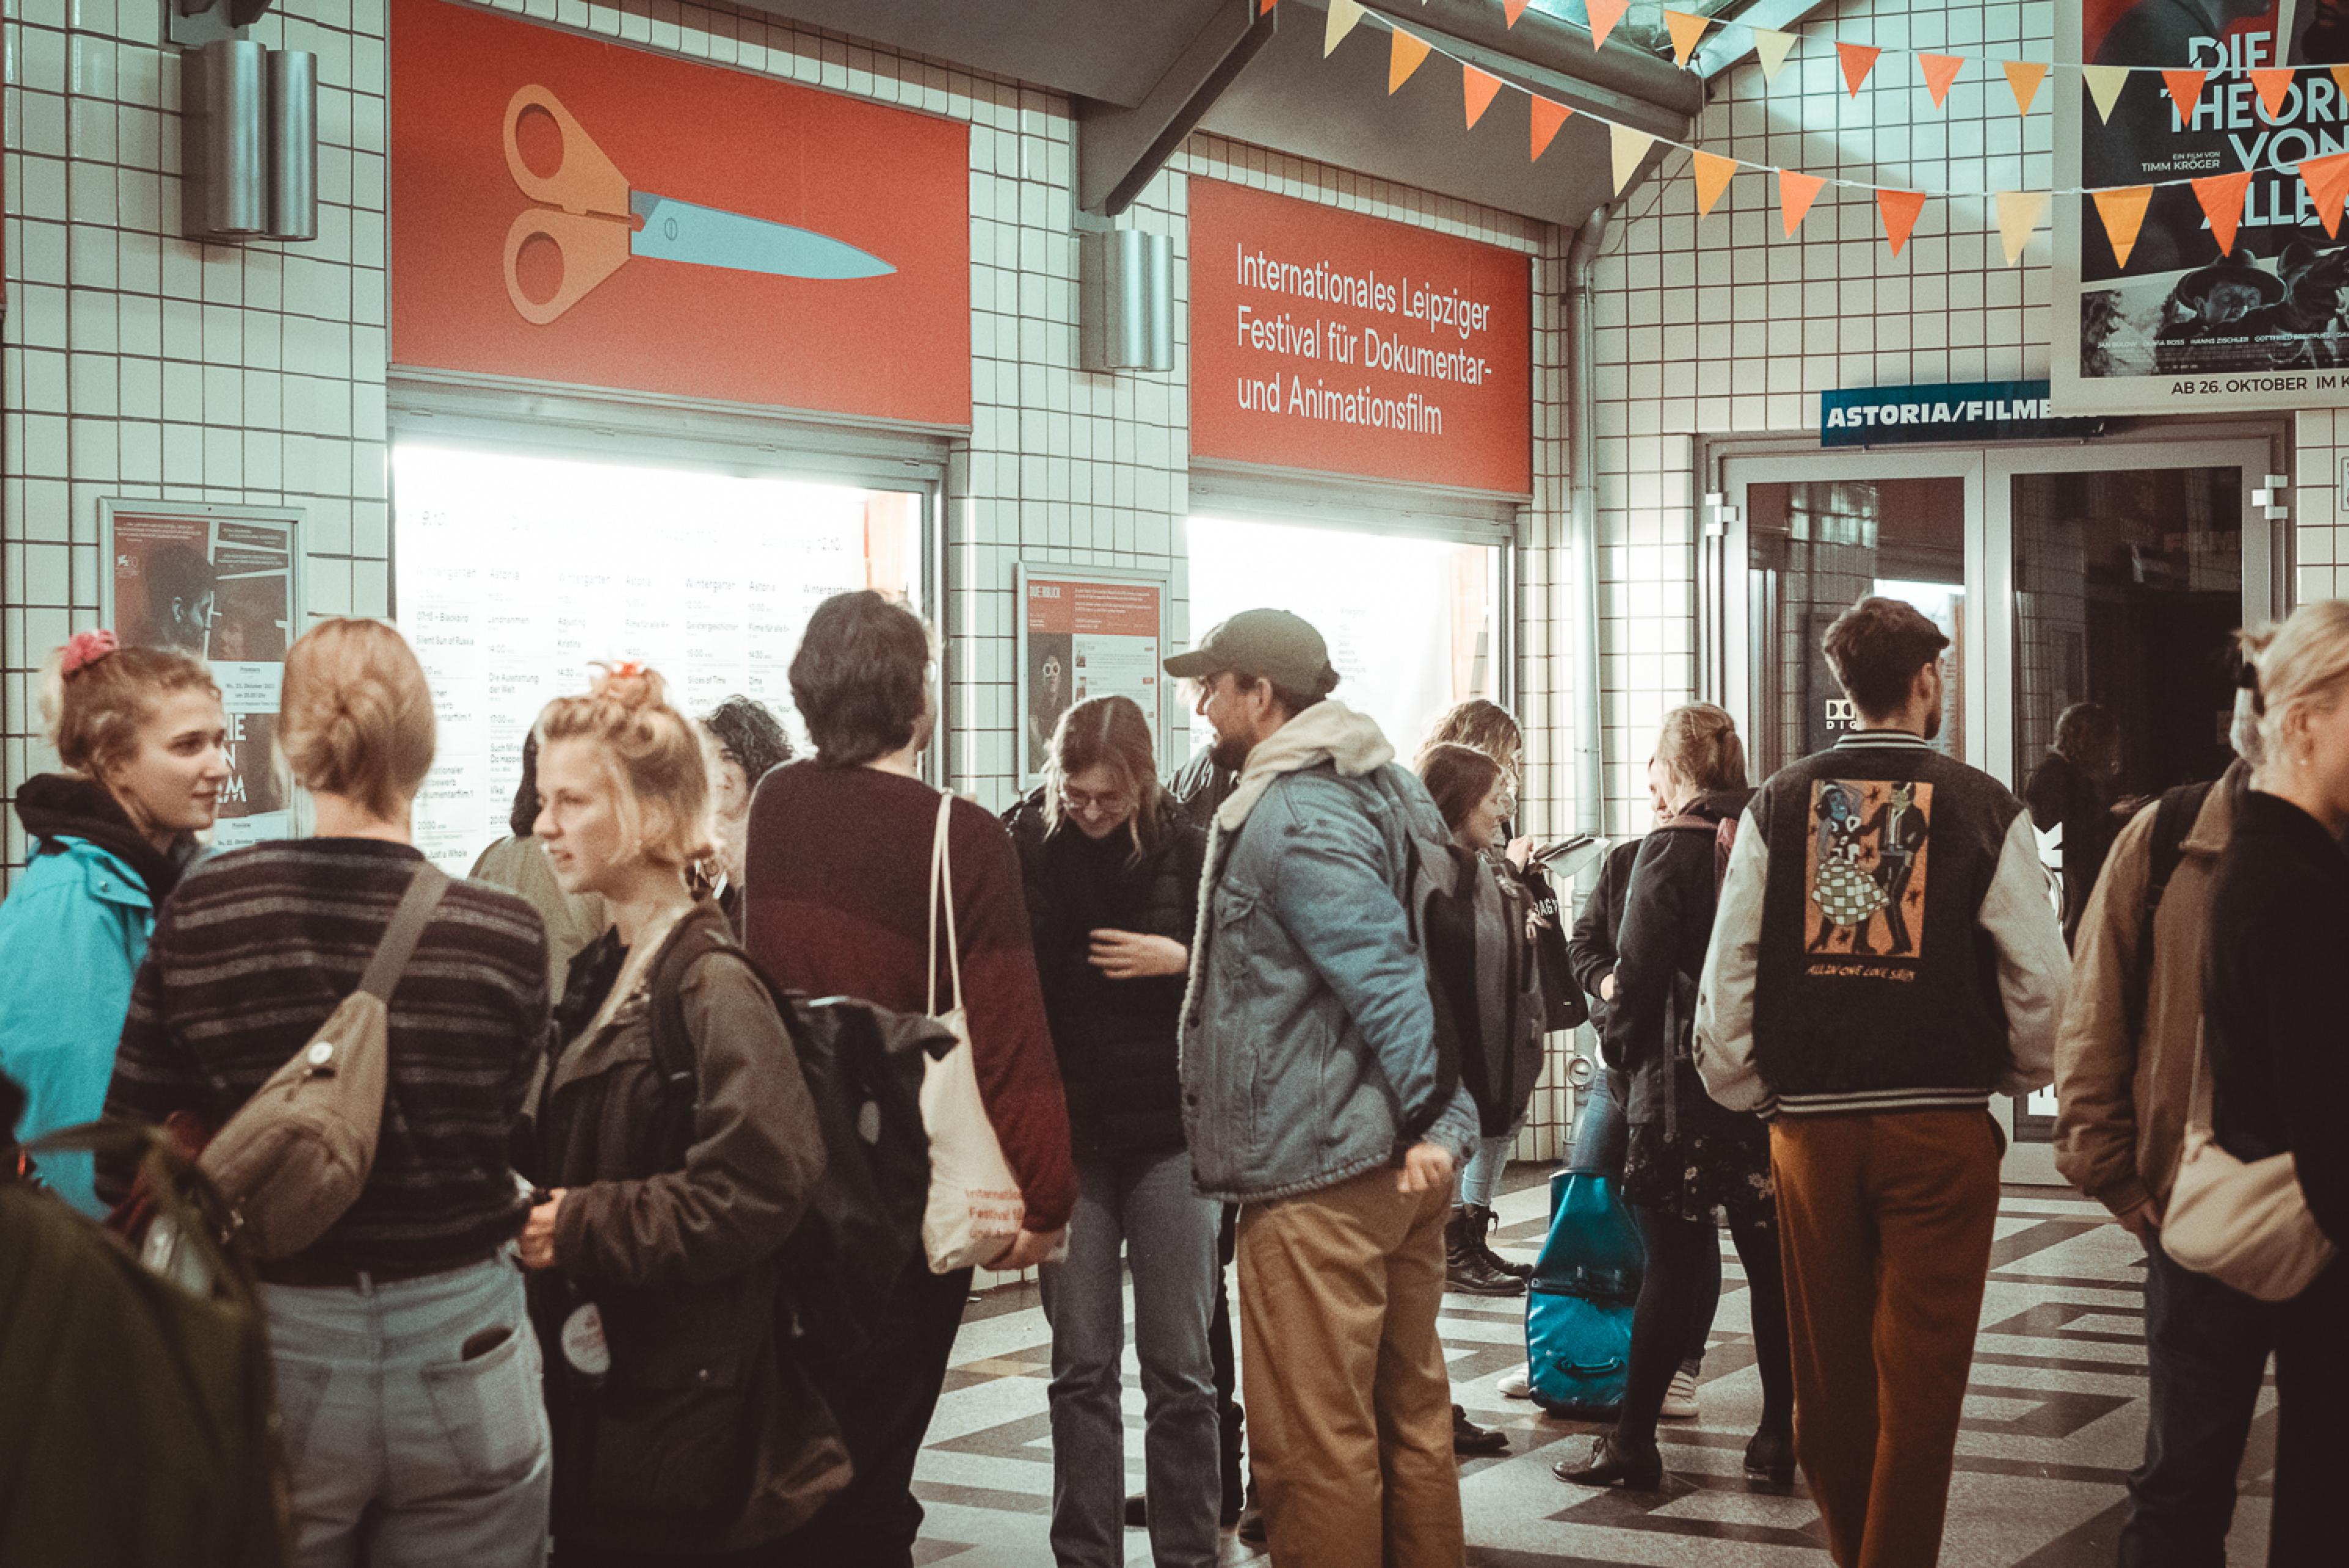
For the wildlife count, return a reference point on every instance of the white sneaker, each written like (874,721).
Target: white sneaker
(1680,1399)
(1518,1385)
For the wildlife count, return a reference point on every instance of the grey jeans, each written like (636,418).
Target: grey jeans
(405,1452)
(1146,1208)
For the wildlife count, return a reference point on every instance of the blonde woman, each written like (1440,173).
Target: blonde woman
(407,1375)
(682,1425)
(139,735)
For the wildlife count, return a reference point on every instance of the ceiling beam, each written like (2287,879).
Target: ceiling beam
(1119,149)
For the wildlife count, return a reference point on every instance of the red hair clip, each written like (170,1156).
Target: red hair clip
(84,649)
(627,669)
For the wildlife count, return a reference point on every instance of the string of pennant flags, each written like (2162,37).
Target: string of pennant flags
(2121,209)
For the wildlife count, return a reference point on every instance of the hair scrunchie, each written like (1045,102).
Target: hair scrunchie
(84,649)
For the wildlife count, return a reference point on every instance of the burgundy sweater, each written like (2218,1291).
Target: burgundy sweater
(835,893)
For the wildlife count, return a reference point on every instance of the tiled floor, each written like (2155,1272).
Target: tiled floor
(2054,1422)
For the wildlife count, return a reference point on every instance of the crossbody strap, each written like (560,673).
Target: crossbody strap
(942,893)
(407,929)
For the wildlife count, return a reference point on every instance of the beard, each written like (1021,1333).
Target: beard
(1228,752)
(1933,725)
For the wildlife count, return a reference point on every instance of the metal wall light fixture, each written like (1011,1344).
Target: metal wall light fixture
(249,143)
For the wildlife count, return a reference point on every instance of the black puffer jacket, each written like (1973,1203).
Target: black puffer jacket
(1667,928)
(1115,1038)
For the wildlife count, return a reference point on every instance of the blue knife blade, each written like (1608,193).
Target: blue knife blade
(710,236)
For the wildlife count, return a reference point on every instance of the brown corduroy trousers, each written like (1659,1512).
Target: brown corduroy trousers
(1886,1221)
(1348,1403)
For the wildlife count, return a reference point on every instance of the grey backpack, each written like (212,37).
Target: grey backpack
(292,1161)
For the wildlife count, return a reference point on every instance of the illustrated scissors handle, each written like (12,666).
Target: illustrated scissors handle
(584,181)
(590,248)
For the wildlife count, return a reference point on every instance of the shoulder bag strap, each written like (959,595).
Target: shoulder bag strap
(407,929)
(2199,1100)
(942,894)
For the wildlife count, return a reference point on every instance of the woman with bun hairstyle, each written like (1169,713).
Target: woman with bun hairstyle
(683,1427)
(407,1373)
(139,735)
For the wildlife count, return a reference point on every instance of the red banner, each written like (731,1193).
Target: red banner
(570,210)
(1325,339)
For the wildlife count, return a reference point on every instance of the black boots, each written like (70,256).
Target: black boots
(1469,1265)
(1612,1463)
(1469,1438)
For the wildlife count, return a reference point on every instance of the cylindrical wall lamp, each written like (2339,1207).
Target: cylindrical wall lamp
(292,144)
(224,109)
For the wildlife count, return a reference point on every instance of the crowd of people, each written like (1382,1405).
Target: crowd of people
(1287,1010)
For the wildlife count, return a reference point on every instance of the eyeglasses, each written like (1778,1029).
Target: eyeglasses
(1105,804)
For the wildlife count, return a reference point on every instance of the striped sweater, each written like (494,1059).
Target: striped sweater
(259,945)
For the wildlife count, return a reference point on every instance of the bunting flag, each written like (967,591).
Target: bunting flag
(2221,196)
(2025,77)
(1265,6)
(1858,59)
(2274,84)
(1547,118)
(1795,194)
(1343,15)
(2122,212)
(2327,179)
(1478,88)
(2018,215)
(2341,79)
(2104,84)
(1409,48)
(1513,9)
(1630,146)
(1940,70)
(2185,91)
(1685,30)
(1899,210)
(1772,46)
(1712,172)
(1604,15)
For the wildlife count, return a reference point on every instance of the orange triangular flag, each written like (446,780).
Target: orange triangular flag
(1795,194)
(1858,59)
(1513,9)
(2327,179)
(2341,78)
(1940,70)
(1604,15)
(1685,30)
(1409,48)
(1479,87)
(2272,83)
(2185,92)
(2221,196)
(1899,210)
(1712,172)
(2025,77)
(1265,6)
(2123,211)
(1547,118)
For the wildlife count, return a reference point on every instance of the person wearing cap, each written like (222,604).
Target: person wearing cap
(1313,1097)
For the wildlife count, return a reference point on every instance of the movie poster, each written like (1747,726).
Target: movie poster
(2178,327)
(217,585)
(1085,634)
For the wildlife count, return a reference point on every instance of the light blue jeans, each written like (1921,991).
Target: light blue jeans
(1480,1180)
(403,1452)
(1145,1208)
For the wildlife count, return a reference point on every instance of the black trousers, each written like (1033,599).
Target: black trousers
(1219,1351)
(1673,1296)
(2206,1350)
(884,1400)
(2311,1438)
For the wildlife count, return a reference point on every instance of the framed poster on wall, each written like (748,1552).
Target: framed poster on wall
(222,584)
(1084,633)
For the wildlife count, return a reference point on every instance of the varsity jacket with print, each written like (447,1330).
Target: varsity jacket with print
(1885,940)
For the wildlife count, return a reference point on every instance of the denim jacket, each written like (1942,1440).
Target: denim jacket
(1308,1048)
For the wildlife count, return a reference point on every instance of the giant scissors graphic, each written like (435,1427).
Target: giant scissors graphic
(592,214)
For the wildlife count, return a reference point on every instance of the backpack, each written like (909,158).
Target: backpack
(295,1157)
(863,1069)
(1504,998)
(1724,842)
(2173,819)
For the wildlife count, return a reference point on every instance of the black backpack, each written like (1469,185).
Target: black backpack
(864,1065)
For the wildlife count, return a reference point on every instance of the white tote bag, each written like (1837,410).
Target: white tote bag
(2243,1224)
(975,1208)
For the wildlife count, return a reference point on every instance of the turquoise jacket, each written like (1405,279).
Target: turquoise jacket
(72,934)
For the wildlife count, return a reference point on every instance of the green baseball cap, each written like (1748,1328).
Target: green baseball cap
(1268,644)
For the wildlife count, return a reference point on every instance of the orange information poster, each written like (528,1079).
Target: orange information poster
(1085,634)
(1326,340)
(570,210)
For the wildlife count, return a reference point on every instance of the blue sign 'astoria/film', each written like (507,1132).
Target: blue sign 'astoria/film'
(1973,410)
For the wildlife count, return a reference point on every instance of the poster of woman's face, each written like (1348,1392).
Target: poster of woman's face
(1050,658)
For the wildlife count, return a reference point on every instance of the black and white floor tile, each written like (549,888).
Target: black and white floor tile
(2054,1421)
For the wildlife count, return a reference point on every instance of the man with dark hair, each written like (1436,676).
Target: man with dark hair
(1315,1097)
(1873,1037)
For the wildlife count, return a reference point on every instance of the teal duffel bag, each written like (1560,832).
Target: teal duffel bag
(1585,1285)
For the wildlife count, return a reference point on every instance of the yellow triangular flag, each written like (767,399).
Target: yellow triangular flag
(1343,15)
(1630,147)
(1685,30)
(1604,15)
(1771,47)
(2104,84)
(2018,213)
(1409,48)
(2123,211)
(1712,172)
(2025,77)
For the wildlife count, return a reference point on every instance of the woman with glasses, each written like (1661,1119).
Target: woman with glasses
(1111,869)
